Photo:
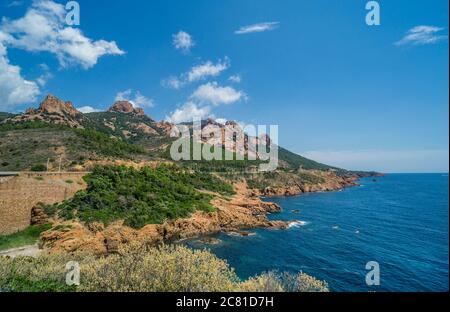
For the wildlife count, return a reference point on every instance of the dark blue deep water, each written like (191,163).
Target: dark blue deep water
(400,221)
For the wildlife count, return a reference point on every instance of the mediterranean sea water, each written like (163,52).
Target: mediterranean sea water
(400,221)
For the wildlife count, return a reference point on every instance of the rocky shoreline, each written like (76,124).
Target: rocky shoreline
(231,215)
(332,182)
(245,210)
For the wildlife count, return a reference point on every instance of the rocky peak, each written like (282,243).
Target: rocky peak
(126,107)
(265,138)
(231,123)
(53,105)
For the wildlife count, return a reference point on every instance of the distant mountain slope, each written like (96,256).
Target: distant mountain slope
(4,116)
(99,133)
(296,161)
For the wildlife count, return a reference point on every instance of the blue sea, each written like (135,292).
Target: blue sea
(400,221)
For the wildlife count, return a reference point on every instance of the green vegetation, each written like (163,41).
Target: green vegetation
(141,197)
(144,269)
(104,145)
(295,161)
(19,283)
(26,237)
(25,145)
(282,179)
(99,121)
(4,116)
(31,125)
(38,168)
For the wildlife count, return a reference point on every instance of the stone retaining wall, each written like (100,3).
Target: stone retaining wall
(19,194)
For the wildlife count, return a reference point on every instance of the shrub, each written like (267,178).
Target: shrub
(39,167)
(137,268)
(288,282)
(168,268)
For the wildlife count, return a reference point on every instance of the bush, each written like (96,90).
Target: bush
(39,168)
(137,268)
(288,282)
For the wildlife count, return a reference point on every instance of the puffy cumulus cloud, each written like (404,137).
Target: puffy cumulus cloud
(254,28)
(88,109)
(135,98)
(188,112)
(182,41)
(197,73)
(207,69)
(202,102)
(421,35)
(43,29)
(14,89)
(216,95)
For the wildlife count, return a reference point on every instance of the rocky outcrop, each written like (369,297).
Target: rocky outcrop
(126,107)
(166,128)
(53,105)
(38,215)
(230,216)
(52,110)
(330,182)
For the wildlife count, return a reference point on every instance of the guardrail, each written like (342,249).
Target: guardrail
(41,173)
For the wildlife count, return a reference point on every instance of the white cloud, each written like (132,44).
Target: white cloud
(188,112)
(207,69)
(173,83)
(43,29)
(135,98)
(15,3)
(421,35)
(260,27)
(385,160)
(203,100)
(88,109)
(196,73)
(14,89)
(45,76)
(235,78)
(216,95)
(183,41)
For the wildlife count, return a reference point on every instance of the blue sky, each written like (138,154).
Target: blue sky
(342,92)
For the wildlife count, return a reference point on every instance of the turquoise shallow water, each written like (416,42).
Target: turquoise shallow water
(400,221)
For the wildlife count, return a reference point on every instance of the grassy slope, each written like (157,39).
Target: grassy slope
(34,143)
(26,237)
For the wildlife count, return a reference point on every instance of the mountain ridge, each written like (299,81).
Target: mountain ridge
(125,122)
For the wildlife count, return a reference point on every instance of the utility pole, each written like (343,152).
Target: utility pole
(60,159)
(48,160)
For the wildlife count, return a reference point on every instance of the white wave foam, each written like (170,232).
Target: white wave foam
(297,223)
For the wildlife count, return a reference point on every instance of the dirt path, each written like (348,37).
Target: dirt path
(30,251)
